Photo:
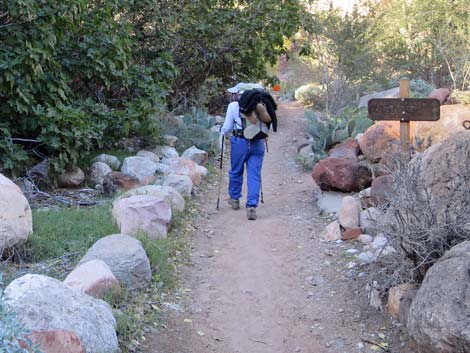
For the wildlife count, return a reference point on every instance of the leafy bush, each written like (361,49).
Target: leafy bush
(67,131)
(311,95)
(11,331)
(328,132)
(13,155)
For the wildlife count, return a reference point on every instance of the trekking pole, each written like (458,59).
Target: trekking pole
(220,171)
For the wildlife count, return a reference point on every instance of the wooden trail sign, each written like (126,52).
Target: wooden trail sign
(404,110)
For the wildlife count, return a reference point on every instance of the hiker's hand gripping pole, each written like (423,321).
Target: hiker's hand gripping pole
(220,171)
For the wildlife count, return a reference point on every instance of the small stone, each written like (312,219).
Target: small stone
(351,233)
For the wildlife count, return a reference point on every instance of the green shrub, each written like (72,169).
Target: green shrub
(12,156)
(67,131)
(311,95)
(328,132)
(193,129)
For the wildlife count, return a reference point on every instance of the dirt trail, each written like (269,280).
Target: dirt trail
(267,286)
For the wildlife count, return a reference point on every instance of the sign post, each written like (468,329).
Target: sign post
(404,110)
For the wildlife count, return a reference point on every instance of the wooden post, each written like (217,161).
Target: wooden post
(405,123)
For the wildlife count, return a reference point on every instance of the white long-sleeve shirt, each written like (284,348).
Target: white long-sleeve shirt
(232,119)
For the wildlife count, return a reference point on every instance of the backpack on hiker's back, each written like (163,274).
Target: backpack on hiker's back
(257,113)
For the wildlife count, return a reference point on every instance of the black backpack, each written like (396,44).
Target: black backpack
(249,99)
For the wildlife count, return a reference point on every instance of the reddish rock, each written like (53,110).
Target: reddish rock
(184,166)
(351,233)
(380,189)
(442,94)
(341,174)
(349,149)
(376,141)
(117,181)
(55,341)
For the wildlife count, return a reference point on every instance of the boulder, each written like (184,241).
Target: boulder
(439,317)
(341,175)
(332,232)
(376,140)
(348,149)
(110,160)
(93,278)
(40,172)
(54,341)
(365,198)
(442,94)
(98,171)
(142,213)
(380,189)
(44,303)
(163,169)
(429,133)
(181,183)
(125,257)
(391,93)
(445,173)
(349,213)
(71,179)
(150,155)
(196,155)
(165,151)
(117,181)
(165,193)
(351,233)
(16,221)
(183,166)
(140,167)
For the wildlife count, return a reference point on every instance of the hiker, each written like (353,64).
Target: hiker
(247,150)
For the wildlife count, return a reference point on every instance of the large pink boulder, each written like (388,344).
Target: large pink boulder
(341,174)
(142,213)
(452,118)
(93,278)
(184,166)
(16,222)
(377,139)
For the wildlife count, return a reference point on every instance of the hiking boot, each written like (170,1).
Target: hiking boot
(251,213)
(234,203)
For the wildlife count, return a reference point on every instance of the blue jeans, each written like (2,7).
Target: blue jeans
(252,153)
